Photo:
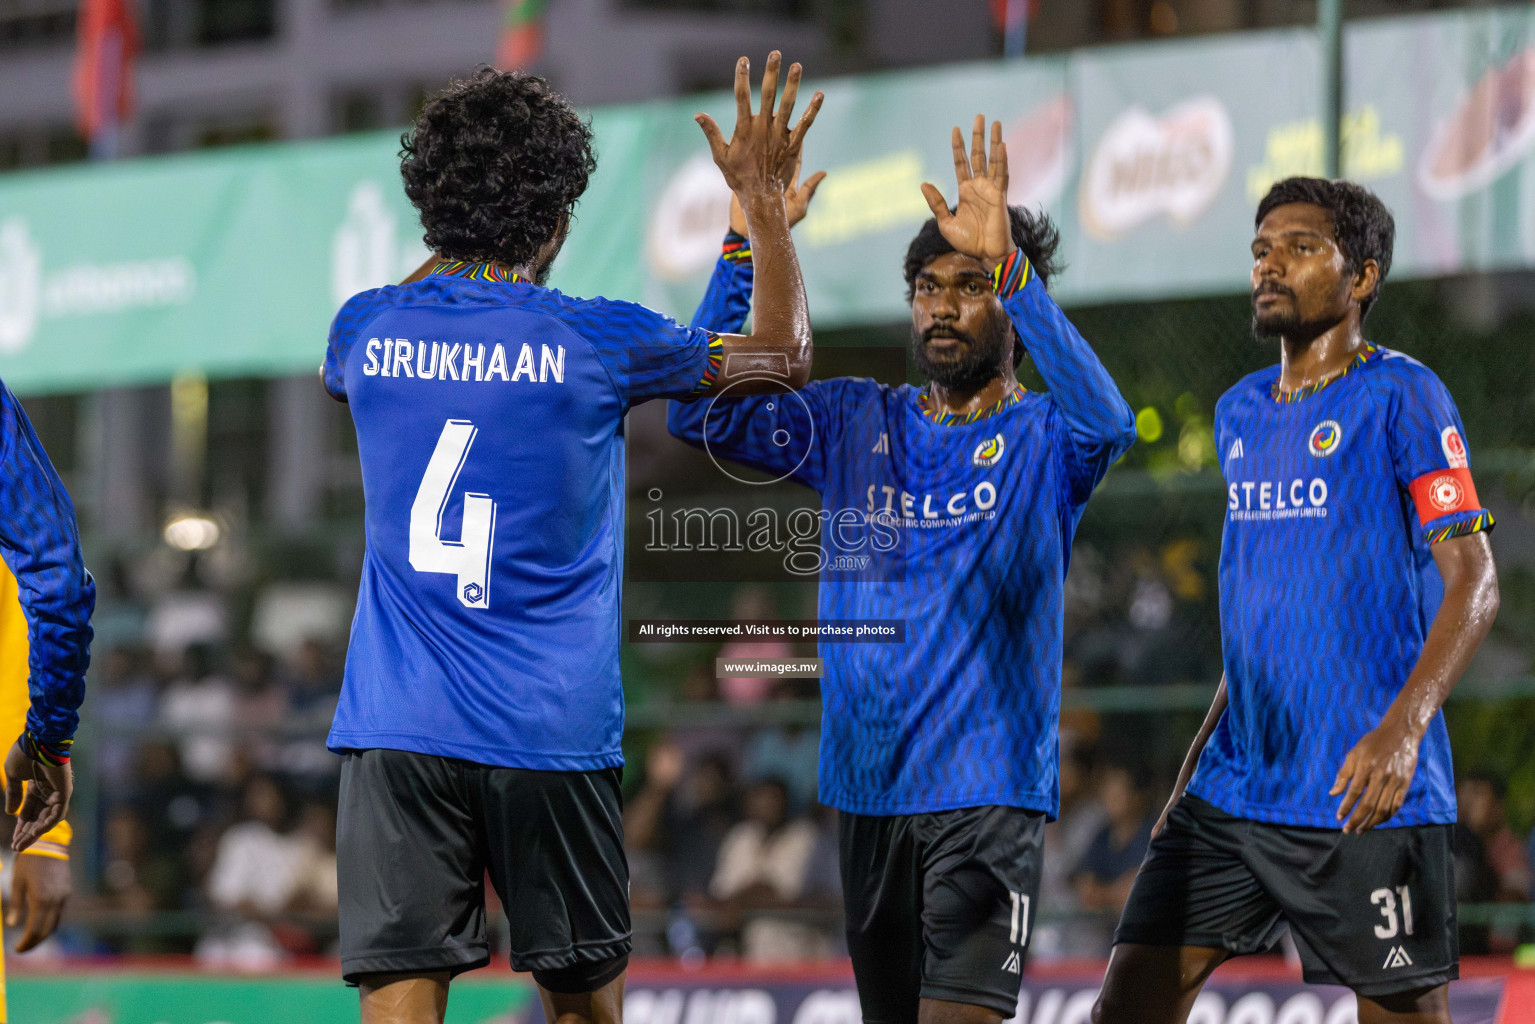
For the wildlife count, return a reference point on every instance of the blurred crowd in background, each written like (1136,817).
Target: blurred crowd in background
(207,812)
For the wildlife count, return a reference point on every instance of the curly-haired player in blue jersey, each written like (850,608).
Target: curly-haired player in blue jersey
(481,713)
(941,751)
(1356,582)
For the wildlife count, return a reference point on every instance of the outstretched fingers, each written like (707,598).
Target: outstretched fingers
(961,161)
(998,168)
(796,140)
(743,88)
(786,104)
(717,144)
(978,147)
(770,84)
(935,202)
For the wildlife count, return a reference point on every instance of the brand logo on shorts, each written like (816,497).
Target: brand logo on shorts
(1326,438)
(1397,957)
(1012,965)
(989,452)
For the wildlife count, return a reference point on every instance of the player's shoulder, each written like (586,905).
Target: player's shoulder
(1400,372)
(1255,388)
(356,311)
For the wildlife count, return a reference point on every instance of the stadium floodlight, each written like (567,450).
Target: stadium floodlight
(192,532)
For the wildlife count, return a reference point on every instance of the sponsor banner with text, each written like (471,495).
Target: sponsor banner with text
(1150,158)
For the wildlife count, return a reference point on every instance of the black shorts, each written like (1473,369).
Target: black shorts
(939,906)
(1374,911)
(416,836)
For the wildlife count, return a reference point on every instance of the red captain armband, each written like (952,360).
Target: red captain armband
(1444,492)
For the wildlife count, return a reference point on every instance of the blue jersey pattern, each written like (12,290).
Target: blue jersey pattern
(1327,582)
(489,419)
(965,712)
(41,545)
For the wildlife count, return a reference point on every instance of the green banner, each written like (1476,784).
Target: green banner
(113,998)
(1149,157)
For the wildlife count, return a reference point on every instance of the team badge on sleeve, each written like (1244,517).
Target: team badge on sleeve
(1444,492)
(1454,447)
(1326,439)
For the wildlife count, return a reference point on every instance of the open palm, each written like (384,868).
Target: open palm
(979,225)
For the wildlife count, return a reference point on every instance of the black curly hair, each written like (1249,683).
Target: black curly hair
(1361,223)
(1034,233)
(495,164)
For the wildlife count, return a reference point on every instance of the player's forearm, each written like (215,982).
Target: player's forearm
(780,315)
(1463,621)
(1096,413)
(1206,730)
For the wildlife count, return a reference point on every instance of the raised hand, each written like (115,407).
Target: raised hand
(980,225)
(796,201)
(762,156)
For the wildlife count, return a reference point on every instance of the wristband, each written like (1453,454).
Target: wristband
(1011,275)
(737,249)
(55,754)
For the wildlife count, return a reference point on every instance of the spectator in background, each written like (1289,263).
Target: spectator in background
(791,753)
(1107,869)
(764,866)
(255,876)
(1481,797)
(1067,840)
(203,704)
(681,815)
(752,604)
(313,689)
(125,694)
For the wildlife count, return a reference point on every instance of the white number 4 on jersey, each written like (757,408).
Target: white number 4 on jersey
(467,558)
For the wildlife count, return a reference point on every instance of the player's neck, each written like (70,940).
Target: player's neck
(958,402)
(1307,359)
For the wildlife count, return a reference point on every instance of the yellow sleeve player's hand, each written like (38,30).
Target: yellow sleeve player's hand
(40,886)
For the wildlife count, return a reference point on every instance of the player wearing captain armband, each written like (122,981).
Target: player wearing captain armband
(482,710)
(46,600)
(1356,582)
(941,752)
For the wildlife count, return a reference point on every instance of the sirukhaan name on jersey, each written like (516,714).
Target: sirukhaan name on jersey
(400,357)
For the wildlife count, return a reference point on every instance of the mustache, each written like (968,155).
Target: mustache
(946,331)
(1272,288)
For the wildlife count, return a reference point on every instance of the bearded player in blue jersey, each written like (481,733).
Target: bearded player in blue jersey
(941,752)
(1356,582)
(482,710)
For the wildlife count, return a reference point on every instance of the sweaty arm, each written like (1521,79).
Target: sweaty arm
(1379,769)
(1432,466)
(1191,759)
(41,545)
(1099,424)
(760,161)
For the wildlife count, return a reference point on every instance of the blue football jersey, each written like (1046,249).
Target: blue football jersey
(1327,582)
(40,545)
(489,417)
(965,529)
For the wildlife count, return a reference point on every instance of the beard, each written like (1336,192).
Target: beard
(1275,322)
(971,366)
